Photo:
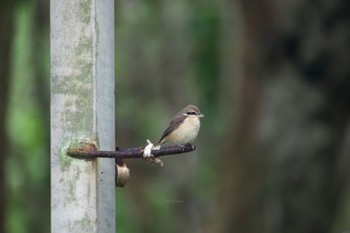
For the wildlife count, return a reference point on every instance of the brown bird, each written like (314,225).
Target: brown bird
(184,126)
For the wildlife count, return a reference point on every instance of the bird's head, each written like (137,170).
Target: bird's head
(191,111)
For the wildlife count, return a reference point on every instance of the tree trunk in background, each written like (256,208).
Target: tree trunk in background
(241,185)
(6,33)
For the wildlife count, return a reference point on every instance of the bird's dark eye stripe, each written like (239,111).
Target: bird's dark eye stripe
(191,113)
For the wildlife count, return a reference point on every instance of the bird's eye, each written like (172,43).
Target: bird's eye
(191,113)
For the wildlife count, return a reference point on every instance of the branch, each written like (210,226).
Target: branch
(90,152)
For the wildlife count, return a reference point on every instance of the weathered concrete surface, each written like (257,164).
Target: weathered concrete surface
(82,109)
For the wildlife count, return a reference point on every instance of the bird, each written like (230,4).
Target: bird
(184,127)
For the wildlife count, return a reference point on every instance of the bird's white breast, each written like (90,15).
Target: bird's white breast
(187,131)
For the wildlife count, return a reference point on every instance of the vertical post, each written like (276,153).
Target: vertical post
(82,110)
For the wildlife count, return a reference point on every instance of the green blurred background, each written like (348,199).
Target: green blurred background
(272,78)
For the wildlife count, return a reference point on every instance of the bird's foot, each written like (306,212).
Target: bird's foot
(183,146)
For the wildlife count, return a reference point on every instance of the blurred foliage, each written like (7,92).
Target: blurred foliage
(27,167)
(271,78)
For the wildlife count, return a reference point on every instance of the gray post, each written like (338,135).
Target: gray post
(82,111)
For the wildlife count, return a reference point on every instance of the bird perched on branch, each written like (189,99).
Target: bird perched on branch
(184,126)
(182,130)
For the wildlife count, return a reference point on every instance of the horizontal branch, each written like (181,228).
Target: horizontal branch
(90,152)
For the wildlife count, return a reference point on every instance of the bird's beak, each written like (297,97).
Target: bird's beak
(200,115)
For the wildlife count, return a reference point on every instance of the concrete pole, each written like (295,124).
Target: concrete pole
(82,111)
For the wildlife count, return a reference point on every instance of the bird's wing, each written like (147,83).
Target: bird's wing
(177,120)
